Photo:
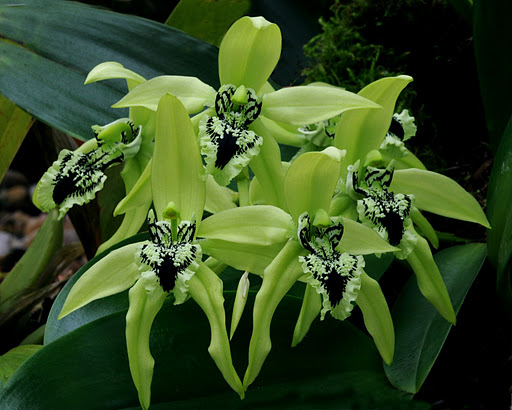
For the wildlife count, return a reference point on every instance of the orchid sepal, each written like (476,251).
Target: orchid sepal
(309,311)
(242,292)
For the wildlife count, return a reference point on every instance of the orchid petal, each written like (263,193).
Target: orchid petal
(110,70)
(430,281)
(144,306)
(439,194)
(139,195)
(177,167)
(284,134)
(377,317)
(192,92)
(249,257)
(249,52)
(114,273)
(311,306)
(361,131)
(310,182)
(206,290)
(218,198)
(359,239)
(258,225)
(424,225)
(267,167)
(278,278)
(307,105)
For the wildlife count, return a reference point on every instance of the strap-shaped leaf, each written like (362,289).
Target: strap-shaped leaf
(420,331)
(177,168)
(258,225)
(249,52)
(361,131)
(438,194)
(309,183)
(14,358)
(377,317)
(110,275)
(144,306)
(192,92)
(44,74)
(304,105)
(359,239)
(430,281)
(206,290)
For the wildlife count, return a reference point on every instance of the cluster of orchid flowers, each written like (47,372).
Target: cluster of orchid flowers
(353,189)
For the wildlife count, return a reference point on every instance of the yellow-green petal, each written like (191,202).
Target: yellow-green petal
(144,306)
(176,173)
(114,273)
(439,194)
(242,292)
(304,105)
(139,195)
(429,279)
(311,306)
(218,198)
(249,52)
(110,70)
(309,183)
(205,288)
(359,239)
(192,92)
(377,317)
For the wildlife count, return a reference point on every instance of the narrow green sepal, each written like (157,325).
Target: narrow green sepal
(144,306)
(242,291)
(218,198)
(139,195)
(430,281)
(110,70)
(114,273)
(424,226)
(359,239)
(278,278)
(206,289)
(377,317)
(311,306)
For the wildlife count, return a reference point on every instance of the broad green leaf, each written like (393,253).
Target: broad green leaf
(361,131)
(430,281)
(377,317)
(108,276)
(359,239)
(420,331)
(192,92)
(249,52)
(14,125)
(56,328)
(251,257)
(14,358)
(207,20)
(44,74)
(438,194)
(336,364)
(33,263)
(143,309)
(258,225)
(309,183)
(499,197)
(205,288)
(303,105)
(492,35)
(176,173)
(218,198)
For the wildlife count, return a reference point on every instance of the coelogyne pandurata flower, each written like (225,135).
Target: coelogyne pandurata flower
(231,129)
(77,175)
(170,262)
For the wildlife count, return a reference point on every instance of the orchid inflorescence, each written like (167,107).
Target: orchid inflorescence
(352,190)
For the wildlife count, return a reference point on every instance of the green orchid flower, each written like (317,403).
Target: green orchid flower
(388,200)
(304,244)
(170,262)
(76,176)
(231,130)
